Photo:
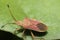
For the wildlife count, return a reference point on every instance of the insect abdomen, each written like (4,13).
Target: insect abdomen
(42,26)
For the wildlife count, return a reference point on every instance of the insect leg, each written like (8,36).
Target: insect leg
(6,24)
(17,29)
(32,35)
(23,35)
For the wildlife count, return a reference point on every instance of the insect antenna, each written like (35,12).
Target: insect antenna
(11,15)
(11,12)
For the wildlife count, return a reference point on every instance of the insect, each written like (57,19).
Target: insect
(30,24)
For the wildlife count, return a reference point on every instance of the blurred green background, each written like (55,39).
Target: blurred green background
(47,11)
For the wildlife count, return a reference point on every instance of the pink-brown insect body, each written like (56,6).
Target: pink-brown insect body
(32,25)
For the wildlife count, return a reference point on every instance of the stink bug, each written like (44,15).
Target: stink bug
(30,24)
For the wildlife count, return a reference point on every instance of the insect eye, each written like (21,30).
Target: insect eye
(41,26)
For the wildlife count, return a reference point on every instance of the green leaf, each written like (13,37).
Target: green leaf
(47,11)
